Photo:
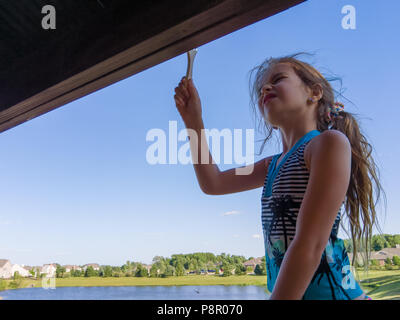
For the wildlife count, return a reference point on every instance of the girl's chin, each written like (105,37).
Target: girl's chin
(266,110)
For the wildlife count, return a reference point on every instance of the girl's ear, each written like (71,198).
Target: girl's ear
(317,91)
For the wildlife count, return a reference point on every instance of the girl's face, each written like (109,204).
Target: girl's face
(290,93)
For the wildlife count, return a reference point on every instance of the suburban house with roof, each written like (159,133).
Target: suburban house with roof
(70,267)
(380,256)
(95,266)
(253,263)
(49,270)
(21,270)
(5,268)
(147,266)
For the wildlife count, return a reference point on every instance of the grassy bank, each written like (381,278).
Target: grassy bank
(193,280)
(380,285)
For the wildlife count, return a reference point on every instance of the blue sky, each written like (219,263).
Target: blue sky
(75,184)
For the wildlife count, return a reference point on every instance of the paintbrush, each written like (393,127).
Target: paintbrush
(190,54)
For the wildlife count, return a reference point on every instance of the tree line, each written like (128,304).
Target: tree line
(378,242)
(177,265)
(203,262)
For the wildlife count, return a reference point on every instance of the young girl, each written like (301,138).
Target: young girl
(325,158)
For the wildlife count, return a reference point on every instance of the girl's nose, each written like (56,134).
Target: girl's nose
(265,90)
(266,87)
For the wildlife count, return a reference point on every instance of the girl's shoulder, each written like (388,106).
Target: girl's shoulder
(315,142)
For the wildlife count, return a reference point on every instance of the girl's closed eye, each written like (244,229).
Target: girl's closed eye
(275,81)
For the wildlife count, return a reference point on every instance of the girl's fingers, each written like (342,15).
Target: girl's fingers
(184,84)
(185,89)
(179,100)
(178,92)
(181,92)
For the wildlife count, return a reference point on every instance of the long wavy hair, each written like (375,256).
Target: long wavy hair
(359,203)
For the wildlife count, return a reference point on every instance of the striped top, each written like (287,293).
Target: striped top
(282,195)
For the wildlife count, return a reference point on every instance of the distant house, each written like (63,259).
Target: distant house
(95,266)
(380,256)
(5,269)
(147,266)
(253,263)
(69,267)
(49,270)
(392,251)
(21,270)
(28,268)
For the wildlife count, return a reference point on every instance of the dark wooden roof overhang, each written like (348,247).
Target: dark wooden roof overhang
(99,42)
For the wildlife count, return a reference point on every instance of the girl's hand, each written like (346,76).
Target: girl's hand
(187,101)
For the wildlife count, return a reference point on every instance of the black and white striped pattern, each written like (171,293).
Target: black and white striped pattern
(280,210)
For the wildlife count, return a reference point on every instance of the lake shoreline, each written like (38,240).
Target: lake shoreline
(195,280)
(380,285)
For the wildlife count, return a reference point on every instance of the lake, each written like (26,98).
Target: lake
(139,293)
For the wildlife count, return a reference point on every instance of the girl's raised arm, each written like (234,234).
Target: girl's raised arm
(211,180)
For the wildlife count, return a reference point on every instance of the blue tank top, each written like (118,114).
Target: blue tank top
(282,195)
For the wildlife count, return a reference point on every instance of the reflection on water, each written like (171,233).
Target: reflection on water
(140,293)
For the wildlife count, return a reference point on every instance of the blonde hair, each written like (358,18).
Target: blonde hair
(359,204)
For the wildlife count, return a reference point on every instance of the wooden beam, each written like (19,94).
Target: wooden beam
(216,21)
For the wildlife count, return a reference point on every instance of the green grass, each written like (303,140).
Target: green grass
(192,280)
(380,285)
